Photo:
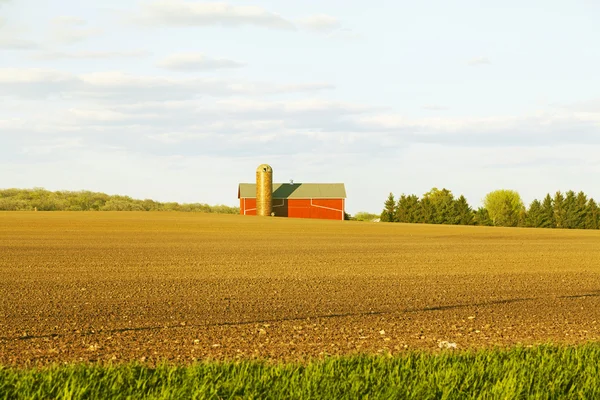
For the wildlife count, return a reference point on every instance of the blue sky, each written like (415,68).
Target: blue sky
(180,101)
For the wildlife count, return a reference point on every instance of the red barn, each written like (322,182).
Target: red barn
(298,200)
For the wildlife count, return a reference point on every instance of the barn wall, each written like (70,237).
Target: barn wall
(299,208)
(248,206)
(316,208)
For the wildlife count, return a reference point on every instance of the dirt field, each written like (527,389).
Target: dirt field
(178,286)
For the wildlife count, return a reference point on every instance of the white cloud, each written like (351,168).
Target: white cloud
(89,55)
(309,139)
(68,29)
(320,23)
(10,37)
(434,107)
(183,13)
(119,86)
(479,61)
(196,62)
(15,43)
(68,20)
(69,35)
(50,146)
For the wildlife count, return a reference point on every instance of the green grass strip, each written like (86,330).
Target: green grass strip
(545,372)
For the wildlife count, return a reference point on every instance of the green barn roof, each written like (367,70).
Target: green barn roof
(297,191)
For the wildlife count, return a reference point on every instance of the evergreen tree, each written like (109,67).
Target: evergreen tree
(482,217)
(548,220)
(464,212)
(401,209)
(534,217)
(592,216)
(427,211)
(389,212)
(413,209)
(570,207)
(581,210)
(559,210)
(443,205)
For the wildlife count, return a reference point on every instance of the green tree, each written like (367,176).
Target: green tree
(426,211)
(534,217)
(592,215)
(401,212)
(548,220)
(413,209)
(365,216)
(581,210)
(464,212)
(389,211)
(559,210)
(482,217)
(505,207)
(571,215)
(442,202)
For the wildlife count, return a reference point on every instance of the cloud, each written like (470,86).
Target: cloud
(196,62)
(434,107)
(89,55)
(69,36)
(320,23)
(549,128)
(15,43)
(9,39)
(307,139)
(69,29)
(68,20)
(182,13)
(479,61)
(119,86)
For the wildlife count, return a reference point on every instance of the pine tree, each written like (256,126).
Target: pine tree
(464,212)
(581,210)
(427,211)
(389,212)
(443,205)
(401,211)
(482,217)
(413,208)
(548,220)
(446,209)
(534,217)
(592,220)
(559,210)
(570,210)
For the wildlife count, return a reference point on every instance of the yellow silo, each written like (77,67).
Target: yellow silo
(264,190)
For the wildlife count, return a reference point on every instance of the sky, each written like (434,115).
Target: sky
(182,100)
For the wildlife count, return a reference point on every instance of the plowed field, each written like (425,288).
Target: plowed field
(178,286)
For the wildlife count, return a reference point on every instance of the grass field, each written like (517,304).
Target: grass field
(542,372)
(152,287)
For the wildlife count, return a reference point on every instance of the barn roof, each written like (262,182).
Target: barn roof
(297,190)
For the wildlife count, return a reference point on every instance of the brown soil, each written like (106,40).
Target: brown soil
(181,287)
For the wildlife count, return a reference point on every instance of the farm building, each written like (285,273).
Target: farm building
(298,200)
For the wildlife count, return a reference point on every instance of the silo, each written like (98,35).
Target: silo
(264,190)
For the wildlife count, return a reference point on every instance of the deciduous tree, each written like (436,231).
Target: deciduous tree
(505,207)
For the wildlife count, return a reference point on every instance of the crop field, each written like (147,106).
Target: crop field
(147,287)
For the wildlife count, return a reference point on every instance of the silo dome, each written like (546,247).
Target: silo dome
(264,168)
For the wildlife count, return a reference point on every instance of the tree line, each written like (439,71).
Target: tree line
(44,200)
(567,210)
